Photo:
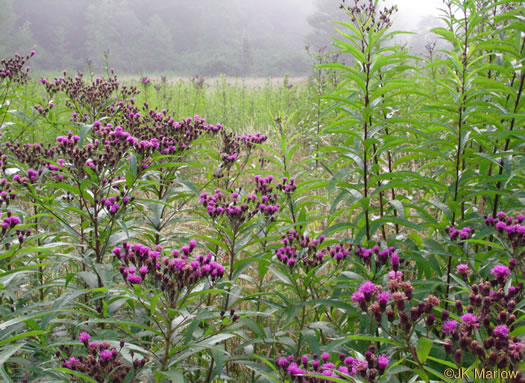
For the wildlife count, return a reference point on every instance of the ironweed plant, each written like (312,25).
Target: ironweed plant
(371,231)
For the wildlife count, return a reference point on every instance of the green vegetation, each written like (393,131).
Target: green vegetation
(364,224)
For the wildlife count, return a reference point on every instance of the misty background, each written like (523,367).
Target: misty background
(188,37)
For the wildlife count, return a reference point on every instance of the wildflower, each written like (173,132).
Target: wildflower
(367,288)
(501,331)
(134,279)
(462,234)
(383,298)
(470,319)
(358,297)
(84,337)
(347,365)
(501,272)
(449,326)
(282,362)
(175,272)
(106,354)
(463,270)
(382,361)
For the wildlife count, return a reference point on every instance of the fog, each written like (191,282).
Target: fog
(187,37)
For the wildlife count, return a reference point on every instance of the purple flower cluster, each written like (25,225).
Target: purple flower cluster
(381,256)
(113,204)
(239,208)
(101,156)
(378,300)
(367,15)
(299,250)
(171,273)
(45,109)
(7,194)
(513,227)
(231,149)
(233,146)
(287,186)
(100,362)
(33,155)
(3,159)
(250,140)
(159,132)
(13,68)
(109,146)
(32,177)
(491,313)
(93,100)
(459,234)
(343,367)
(56,171)
(11,222)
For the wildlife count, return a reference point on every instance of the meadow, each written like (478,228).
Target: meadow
(364,224)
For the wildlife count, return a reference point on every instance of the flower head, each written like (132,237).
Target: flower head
(83,337)
(383,297)
(367,288)
(106,354)
(470,319)
(462,269)
(450,326)
(382,361)
(358,297)
(501,272)
(501,331)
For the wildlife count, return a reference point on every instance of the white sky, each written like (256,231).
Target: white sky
(412,11)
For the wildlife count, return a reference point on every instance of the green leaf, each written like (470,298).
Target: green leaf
(84,130)
(373,339)
(176,376)
(424,345)
(76,373)
(8,352)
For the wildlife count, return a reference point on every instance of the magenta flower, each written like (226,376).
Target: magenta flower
(501,272)
(450,326)
(114,208)
(282,362)
(501,226)
(367,288)
(382,361)
(83,337)
(325,356)
(358,297)
(470,319)
(106,354)
(395,275)
(501,331)
(383,297)
(134,279)
(462,269)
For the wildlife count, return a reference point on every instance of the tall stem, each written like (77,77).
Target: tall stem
(511,128)
(459,150)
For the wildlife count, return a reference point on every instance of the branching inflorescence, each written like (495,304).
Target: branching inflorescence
(312,369)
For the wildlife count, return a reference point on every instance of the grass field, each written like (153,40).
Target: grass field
(364,224)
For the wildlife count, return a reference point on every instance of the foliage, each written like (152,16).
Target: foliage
(371,231)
